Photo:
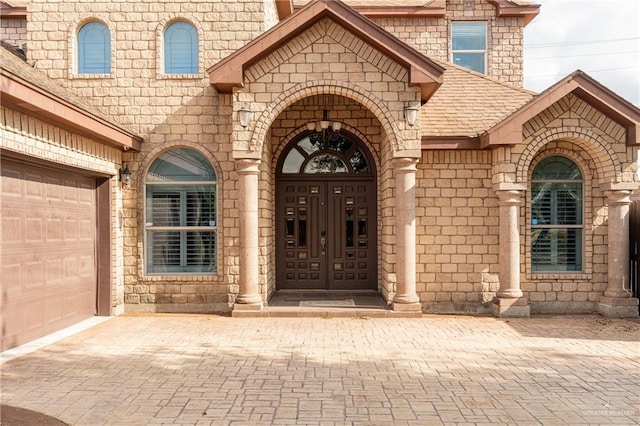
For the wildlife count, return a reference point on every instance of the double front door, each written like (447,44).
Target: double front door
(326,234)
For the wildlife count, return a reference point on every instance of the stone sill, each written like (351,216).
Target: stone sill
(560,276)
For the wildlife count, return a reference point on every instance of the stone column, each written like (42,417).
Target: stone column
(617,300)
(249,297)
(509,301)
(406,298)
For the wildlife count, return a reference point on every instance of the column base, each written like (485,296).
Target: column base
(618,307)
(511,308)
(407,307)
(246,309)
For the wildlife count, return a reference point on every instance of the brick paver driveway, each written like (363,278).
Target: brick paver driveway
(196,369)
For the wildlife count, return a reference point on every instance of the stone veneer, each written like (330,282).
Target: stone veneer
(457,226)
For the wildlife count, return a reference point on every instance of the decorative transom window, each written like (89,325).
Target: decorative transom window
(94,49)
(326,152)
(469,45)
(180,216)
(181,49)
(556,216)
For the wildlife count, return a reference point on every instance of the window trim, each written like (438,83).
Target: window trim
(485,51)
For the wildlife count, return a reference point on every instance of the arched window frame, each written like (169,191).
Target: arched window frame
(192,60)
(101,51)
(548,227)
(187,196)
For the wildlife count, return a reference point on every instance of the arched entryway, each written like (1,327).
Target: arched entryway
(326,214)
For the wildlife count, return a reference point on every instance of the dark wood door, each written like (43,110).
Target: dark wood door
(326,235)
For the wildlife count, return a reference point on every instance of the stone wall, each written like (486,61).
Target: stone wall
(457,232)
(13,31)
(432,37)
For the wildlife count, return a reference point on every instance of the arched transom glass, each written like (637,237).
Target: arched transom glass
(326,152)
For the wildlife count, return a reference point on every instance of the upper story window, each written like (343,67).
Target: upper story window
(94,49)
(469,45)
(181,49)
(556,216)
(180,214)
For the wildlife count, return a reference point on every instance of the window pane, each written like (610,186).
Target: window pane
(556,168)
(325,163)
(181,165)
(181,49)
(468,36)
(181,251)
(472,61)
(201,206)
(293,162)
(554,249)
(94,49)
(163,208)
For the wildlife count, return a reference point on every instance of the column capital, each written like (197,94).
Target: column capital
(619,197)
(405,164)
(509,197)
(248,165)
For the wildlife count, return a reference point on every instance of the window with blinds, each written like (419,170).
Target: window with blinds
(94,49)
(181,49)
(469,45)
(556,216)
(181,214)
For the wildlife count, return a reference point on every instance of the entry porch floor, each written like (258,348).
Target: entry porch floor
(328,304)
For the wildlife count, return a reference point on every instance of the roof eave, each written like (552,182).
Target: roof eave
(229,72)
(509,131)
(19,93)
(504,8)
(9,12)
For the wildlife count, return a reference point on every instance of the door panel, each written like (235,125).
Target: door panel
(325,239)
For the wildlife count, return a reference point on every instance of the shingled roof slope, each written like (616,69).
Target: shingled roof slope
(13,64)
(468,103)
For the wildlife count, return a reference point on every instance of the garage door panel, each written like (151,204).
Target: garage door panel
(48,250)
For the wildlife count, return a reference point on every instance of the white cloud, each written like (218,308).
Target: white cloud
(599,37)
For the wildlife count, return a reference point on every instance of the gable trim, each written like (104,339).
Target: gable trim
(423,72)
(509,131)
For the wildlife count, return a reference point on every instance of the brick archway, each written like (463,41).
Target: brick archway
(608,167)
(326,87)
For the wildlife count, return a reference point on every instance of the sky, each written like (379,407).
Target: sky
(599,37)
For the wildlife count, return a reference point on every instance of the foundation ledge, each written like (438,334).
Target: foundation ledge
(407,307)
(511,308)
(242,309)
(618,307)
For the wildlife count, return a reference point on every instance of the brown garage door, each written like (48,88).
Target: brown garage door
(48,251)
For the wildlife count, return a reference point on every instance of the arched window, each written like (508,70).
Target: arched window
(180,49)
(180,216)
(94,49)
(556,216)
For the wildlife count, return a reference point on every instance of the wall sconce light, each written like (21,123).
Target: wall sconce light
(411,114)
(244,115)
(125,176)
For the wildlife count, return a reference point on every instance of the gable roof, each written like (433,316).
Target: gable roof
(423,72)
(509,131)
(465,106)
(28,89)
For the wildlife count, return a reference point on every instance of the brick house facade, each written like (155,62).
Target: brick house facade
(435,216)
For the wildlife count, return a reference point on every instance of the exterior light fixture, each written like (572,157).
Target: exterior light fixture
(244,115)
(411,114)
(125,176)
